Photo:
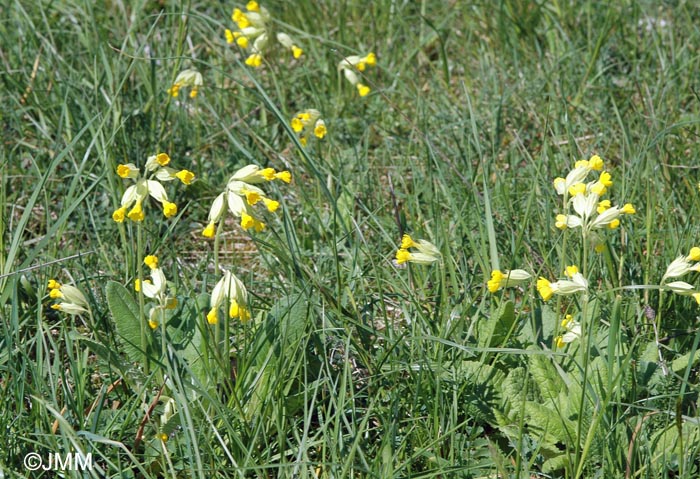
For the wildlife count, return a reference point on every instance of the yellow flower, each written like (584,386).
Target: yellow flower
(254,60)
(595,163)
(628,209)
(561,222)
(407,242)
(247,221)
(231,288)
(606,179)
(693,255)
(603,205)
(128,170)
(494,284)
(402,256)
(577,189)
(136,213)
(320,129)
(308,121)
(614,224)
(696,297)
(544,287)
(53,284)
(169,209)
(153,324)
(363,90)
(271,205)
(185,176)
(163,159)
(55,294)
(209,231)
(252,6)
(229,36)
(571,271)
(151,261)
(296,51)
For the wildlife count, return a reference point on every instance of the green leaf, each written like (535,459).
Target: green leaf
(494,330)
(545,376)
(125,312)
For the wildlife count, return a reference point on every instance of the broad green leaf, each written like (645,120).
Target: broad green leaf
(125,312)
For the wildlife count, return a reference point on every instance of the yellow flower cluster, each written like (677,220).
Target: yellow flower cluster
(573,331)
(350,66)
(156,289)
(590,212)
(230,288)
(681,266)
(241,195)
(254,33)
(72,299)
(186,78)
(131,205)
(308,122)
(427,252)
(576,283)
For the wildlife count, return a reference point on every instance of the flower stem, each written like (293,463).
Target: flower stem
(142,315)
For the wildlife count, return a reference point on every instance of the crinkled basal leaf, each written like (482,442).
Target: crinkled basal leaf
(125,312)
(494,330)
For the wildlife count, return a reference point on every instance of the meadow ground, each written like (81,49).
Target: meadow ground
(169,311)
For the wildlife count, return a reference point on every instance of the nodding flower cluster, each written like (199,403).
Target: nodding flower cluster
(426,253)
(230,288)
(241,195)
(72,299)
(155,288)
(350,66)
(591,212)
(308,122)
(681,266)
(254,33)
(191,79)
(157,171)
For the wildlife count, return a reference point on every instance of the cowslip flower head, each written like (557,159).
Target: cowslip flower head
(307,123)
(573,331)
(351,65)
(682,265)
(155,288)
(72,299)
(157,171)
(504,279)
(254,34)
(590,211)
(191,79)
(427,252)
(575,284)
(231,288)
(241,195)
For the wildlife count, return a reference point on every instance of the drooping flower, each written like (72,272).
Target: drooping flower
(351,65)
(427,252)
(590,211)
(576,283)
(573,331)
(191,79)
(241,195)
(254,33)
(504,279)
(230,288)
(72,299)
(131,204)
(307,123)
